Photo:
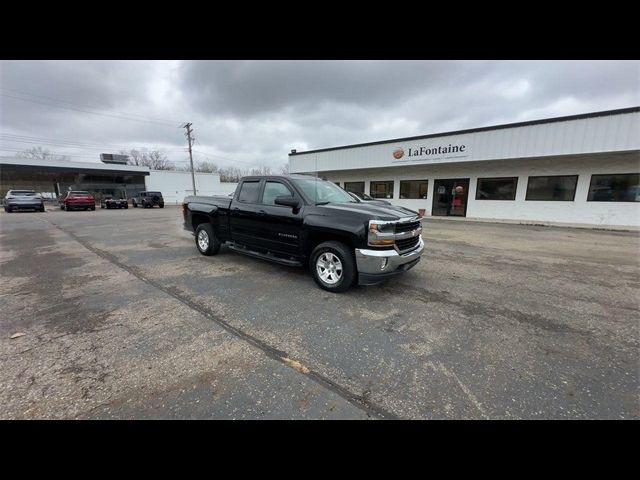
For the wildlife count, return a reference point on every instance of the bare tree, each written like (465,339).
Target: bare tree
(157,160)
(262,170)
(39,153)
(231,174)
(206,167)
(135,156)
(154,159)
(284,169)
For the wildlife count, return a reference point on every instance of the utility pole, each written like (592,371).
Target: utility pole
(188,134)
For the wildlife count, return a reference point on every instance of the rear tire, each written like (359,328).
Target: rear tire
(161,206)
(331,274)
(206,242)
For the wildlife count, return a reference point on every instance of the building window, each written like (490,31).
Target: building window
(559,188)
(496,188)
(615,188)
(381,189)
(414,188)
(356,187)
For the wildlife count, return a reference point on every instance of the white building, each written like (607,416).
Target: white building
(576,170)
(177,185)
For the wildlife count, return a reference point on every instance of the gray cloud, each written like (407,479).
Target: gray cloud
(253,112)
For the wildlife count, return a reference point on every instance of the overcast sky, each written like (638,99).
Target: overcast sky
(251,113)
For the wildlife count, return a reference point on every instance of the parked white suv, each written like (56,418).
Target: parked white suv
(23,200)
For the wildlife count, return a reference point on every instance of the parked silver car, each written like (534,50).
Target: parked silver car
(23,200)
(363,197)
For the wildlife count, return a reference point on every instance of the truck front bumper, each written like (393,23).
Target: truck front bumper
(375,266)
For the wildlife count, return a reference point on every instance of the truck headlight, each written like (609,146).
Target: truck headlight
(381,233)
(382,227)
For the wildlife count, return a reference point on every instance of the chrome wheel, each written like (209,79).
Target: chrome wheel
(329,268)
(203,240)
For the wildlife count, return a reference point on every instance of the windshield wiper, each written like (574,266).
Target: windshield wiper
(322,203)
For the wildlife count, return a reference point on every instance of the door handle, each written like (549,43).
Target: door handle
(262,213)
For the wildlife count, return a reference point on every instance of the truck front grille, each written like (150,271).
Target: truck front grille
(408,243)
(407,226)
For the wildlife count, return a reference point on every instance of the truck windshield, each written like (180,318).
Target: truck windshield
(322,191)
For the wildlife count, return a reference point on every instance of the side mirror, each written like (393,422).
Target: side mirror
(287,201)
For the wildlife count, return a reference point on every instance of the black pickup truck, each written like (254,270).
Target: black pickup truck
(302,220)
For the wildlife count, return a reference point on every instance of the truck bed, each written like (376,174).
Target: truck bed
(219,201)
(215,209)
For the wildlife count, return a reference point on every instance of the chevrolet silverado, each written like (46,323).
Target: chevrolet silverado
(300,220)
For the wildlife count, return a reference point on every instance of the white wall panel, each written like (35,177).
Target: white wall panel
(177,185)
(620,132)
(608,214)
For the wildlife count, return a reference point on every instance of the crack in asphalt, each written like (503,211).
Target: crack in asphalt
(359,401)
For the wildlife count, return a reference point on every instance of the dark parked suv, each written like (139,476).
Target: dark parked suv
(148,200)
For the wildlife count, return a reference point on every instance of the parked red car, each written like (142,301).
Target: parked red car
(75,200)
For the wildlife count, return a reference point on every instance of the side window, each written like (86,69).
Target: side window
(273,190)
(249,192)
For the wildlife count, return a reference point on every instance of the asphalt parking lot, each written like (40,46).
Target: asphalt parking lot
(122,318)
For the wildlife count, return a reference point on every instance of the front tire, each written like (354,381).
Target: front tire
(333,266)
(206,242)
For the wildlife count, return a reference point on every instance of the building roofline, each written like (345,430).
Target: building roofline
(65,165)
(581,116)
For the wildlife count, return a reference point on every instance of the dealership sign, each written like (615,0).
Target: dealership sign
(429,153)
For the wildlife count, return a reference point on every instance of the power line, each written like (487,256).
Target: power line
(145,117)
(49,104)
(101,149)
(58,154)
(94,146)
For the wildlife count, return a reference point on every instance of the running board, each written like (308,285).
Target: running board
(264,256)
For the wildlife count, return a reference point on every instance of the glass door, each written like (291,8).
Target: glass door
(450,197)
